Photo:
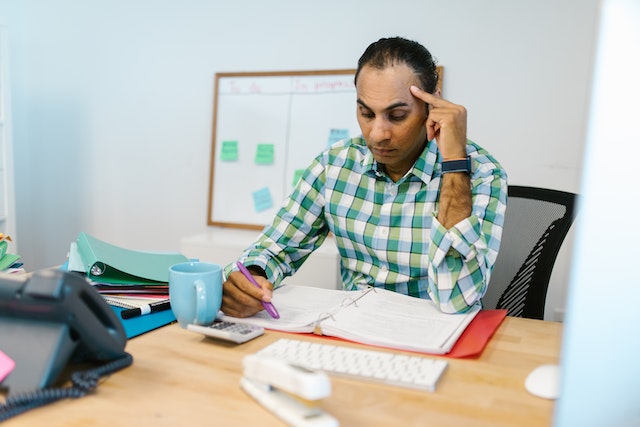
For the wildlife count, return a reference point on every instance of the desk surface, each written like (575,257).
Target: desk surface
(181,378)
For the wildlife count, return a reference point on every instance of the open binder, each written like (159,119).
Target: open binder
(104,262)
(371,316)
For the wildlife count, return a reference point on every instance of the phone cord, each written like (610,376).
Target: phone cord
(82,383)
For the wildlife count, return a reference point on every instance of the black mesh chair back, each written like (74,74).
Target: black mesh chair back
(537,221)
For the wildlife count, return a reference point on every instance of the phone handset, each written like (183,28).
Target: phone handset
(62,316)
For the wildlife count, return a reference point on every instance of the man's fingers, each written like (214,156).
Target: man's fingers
(446,123)
(236,302)
(243,284)
(426,96)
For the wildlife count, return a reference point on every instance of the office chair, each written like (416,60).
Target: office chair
(537,221)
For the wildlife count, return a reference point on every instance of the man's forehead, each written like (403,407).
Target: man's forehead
(383,89)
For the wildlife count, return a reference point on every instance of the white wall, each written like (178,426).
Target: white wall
(112,99)
(7,186)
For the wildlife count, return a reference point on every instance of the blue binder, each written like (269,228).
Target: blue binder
(142,324)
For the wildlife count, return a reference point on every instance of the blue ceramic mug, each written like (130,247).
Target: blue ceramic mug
(195,291)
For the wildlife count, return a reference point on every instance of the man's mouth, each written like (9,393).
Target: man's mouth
(383,152)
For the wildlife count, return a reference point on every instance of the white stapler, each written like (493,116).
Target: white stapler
(272,382)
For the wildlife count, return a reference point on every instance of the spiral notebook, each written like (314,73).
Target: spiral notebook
(370,316)
(141,324)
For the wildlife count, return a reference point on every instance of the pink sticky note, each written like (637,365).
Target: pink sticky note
(6,365)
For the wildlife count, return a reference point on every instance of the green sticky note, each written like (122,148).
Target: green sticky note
(229,152)
(297,174)
(264,154)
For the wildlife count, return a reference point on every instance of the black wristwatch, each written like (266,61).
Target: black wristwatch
(461,165)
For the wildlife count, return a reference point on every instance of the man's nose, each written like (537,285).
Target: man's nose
(380,130)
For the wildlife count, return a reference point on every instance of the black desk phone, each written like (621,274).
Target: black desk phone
(50,319)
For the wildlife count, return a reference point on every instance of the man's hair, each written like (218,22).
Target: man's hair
(397,50)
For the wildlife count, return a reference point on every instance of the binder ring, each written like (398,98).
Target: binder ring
(98,269)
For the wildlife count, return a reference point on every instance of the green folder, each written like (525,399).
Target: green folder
(6,260)
(104,262)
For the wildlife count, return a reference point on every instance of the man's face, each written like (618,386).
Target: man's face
(390,117)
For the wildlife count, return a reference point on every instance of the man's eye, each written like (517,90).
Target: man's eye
(397,117)
(367,114)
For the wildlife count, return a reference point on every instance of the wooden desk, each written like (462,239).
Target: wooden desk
(180,378)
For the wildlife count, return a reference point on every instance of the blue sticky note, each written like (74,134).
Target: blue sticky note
(262,200)
(336,135)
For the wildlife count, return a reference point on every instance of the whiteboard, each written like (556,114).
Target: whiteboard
(267,128)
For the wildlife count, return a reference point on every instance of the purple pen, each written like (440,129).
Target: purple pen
(267,305)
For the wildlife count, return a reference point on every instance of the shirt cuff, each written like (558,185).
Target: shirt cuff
(274,275)
(462,238)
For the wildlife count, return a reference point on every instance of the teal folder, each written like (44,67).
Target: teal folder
(142,324)
(104,262)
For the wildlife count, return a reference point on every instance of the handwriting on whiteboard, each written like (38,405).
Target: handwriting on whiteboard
(281,85)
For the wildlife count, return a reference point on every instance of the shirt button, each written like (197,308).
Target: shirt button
(384,231)
(384,268)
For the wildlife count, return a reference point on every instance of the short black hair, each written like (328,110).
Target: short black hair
(398,50)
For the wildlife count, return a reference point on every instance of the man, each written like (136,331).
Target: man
(413,205)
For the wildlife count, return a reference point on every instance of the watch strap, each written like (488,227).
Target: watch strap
(458,165)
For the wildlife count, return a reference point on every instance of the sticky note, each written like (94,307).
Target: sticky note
(297,174)
(264,154)
(262,200)
(336,135)
(6,365)
(229,152)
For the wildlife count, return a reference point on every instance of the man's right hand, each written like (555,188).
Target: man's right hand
(240,298)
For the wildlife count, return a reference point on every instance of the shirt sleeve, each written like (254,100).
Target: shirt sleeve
(297,230)
(462,258)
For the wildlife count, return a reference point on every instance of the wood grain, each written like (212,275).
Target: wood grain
(180,378)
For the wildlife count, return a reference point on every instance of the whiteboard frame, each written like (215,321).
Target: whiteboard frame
(212,220)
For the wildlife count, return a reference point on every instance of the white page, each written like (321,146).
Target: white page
(300,307)
(75,261)
(389,319)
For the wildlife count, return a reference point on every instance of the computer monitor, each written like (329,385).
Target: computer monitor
(600,357)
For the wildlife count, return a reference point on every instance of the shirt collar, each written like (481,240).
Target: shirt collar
(422,168)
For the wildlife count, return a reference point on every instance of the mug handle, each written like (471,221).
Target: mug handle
(203,303)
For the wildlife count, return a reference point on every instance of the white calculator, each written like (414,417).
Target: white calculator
(228,331)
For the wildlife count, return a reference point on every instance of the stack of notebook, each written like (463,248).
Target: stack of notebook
(126,278)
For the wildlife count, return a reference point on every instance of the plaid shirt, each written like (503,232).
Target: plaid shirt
(387,232)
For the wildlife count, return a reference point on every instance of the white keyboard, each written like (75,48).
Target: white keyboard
(368,365)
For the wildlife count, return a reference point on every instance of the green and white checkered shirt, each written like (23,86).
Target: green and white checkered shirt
(387,232)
